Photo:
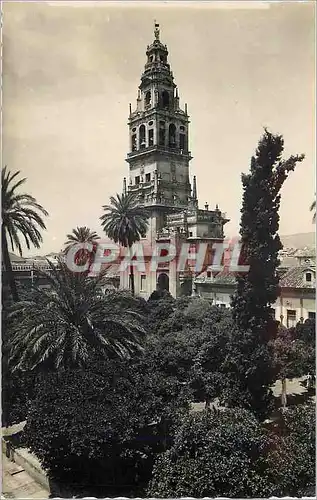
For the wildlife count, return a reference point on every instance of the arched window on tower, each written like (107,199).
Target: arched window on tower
(165,99)
(147,99)
(182,142)
(133,142)
(172,136)
(162,133)
(151,137)
(142,143)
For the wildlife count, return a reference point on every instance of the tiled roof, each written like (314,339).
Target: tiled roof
(296,277)
(288,261)
(224,277)
(305,252)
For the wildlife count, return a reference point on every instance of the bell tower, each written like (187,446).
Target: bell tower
(159,159)
(158,129)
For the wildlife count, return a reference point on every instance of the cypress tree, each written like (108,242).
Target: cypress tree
(258,289)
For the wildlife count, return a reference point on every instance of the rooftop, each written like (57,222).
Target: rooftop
(296,277)
(224,277)
(305,252)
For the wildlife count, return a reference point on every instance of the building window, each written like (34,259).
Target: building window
(308,277)
(190,234)
(162,134)
(182,141)
(143,281)
(208,274)
(147,177)
(150,123)
(142,137)
(151,137)
(133,142)
(291,318)
(137,180)
(165,99)
(147,99)
(172,135)
(312,315)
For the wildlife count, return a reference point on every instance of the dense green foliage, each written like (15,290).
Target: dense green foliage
(106,380)
(294,350)
(60,327)
(258,288)
(215,453)
(97,430)
(16,395)
(201,344)
(188,341)
(228,453)
(292,457)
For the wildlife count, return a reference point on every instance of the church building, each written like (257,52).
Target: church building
(159,175)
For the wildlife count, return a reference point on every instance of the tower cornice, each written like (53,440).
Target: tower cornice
(137,116)
(158,151)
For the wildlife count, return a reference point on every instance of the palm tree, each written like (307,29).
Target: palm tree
(125,222)
(71,323)
(81,235)
(313,209)
(21,216)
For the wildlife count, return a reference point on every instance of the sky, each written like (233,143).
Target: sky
(70,70)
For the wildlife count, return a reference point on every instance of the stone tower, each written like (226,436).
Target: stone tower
(158,128)
(158,161)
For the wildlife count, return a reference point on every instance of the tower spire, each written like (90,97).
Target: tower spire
(156,30)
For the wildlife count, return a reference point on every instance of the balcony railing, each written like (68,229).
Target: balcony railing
(159,148)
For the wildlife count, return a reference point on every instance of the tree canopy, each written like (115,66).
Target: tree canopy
(108,423)
(61,327)
(21,219)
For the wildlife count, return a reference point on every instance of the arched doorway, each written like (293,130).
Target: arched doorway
(163,282)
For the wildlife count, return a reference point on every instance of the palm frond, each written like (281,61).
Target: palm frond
(68,324)
(124,221)
(21,214)
(313,209)
(80,235)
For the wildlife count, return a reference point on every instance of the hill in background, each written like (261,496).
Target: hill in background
(299,240)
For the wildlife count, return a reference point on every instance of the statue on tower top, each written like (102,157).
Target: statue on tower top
(156,30)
